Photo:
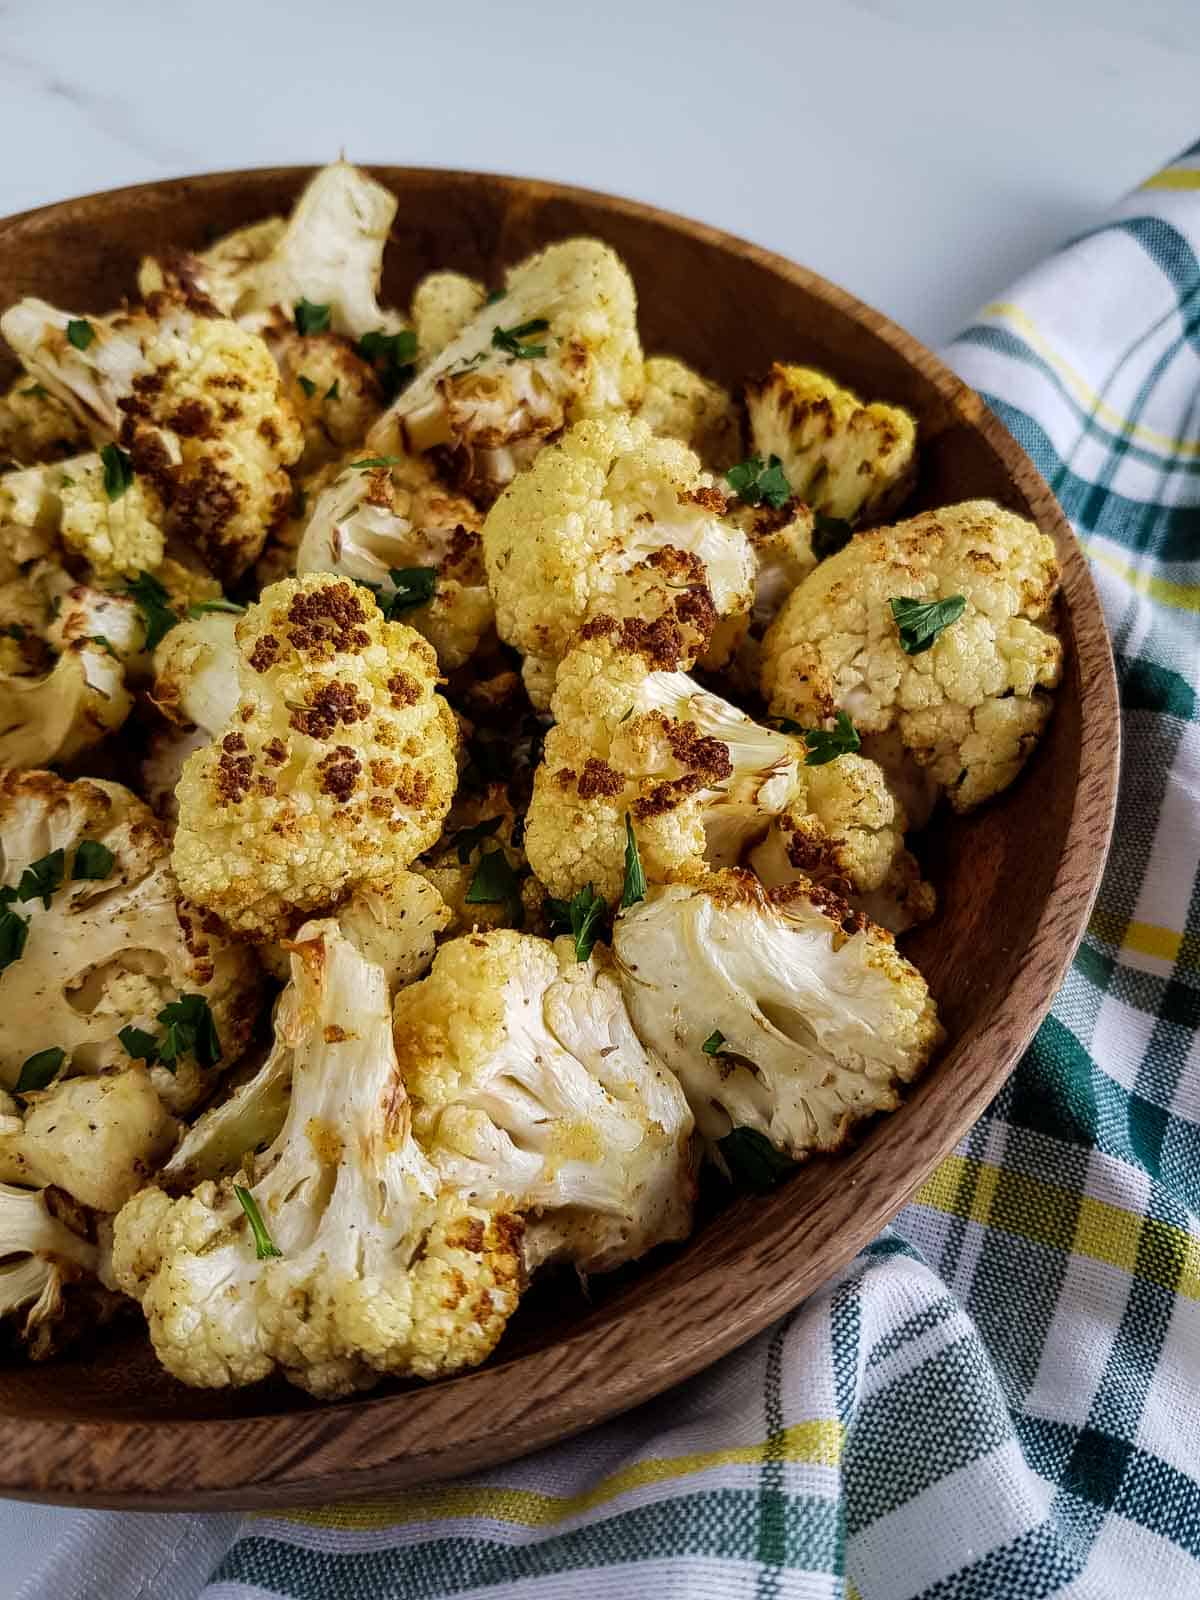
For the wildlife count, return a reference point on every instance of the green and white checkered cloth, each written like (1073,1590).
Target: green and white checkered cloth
(999,1399)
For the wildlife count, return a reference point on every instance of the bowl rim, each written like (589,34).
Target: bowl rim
(109,1462)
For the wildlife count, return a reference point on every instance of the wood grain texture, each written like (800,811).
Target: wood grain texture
(1016,883)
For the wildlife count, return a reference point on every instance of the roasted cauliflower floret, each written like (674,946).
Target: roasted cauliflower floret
(343,1257)
(442,305)
(842,457)
(528,1081)
(337,766)
(971,704)
(397,529)
(560,344)
(194,400)
(218,275)
(34,426)
(41,1255)
(680,404)
(333,391)
(112,950)
(80,700)
(196,672)
(396,926)
(779,1011)
(586,530)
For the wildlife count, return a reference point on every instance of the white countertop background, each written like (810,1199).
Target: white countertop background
(923,153)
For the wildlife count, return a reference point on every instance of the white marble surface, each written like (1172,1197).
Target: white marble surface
(921,152)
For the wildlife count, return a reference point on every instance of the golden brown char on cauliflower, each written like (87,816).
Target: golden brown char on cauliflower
(971,705)
(337,766)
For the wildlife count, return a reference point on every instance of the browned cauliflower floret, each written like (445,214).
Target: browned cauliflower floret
(333,391)
(442,305)
(971,704)
(35,426)
(683,405)
(337,766)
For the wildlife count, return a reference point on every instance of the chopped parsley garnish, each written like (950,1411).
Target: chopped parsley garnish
(393,356)
(830,534)
(228,607)
(35,391)
(495,883)
(104,642)
(414,586)
(118,471)
(920,621)
(311,318)
(264,1246)
(152,601)
(369,463)
(38,1071)
(80,332)
(625,716)
(307,385)
(495,297)
(139,1044)
(93,860)
(582,916)
(753,1161)
(467,840)
(42,877)
(509,339)
(188,1030)
(714,1044)
(757,483)
(332,392)
(13,630)
(635,878)
(14,930)
(827,744)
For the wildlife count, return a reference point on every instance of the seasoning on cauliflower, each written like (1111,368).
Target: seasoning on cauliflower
(527,1081)
(80,700)
(34,426)
(109,952)
(333,391)
(329,252)
(397,529)
(780,1011)
(559,344)
(442,305)
(680,404)
(196,402)
(701,782)
(844,458)
(971,705)
(343,1258)
(335,770)
(41,1255)
(580,533)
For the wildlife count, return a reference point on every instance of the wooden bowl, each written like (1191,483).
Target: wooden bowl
(1016,884)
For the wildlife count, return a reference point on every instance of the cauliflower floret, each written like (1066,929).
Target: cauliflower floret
(196,402)
(779,1011)
(116,537)
(196,672)
(365,1263)
(80,700)
(372,522)
(560,344)
(846,459)
(442,305)
(701,782)
(528,1081)
(329,252)
(81,614)
(40,1256)
(581,532)
(109,952)
(34,426)
(337,767)
(333,391)
(396,926)
(680,404)
(972,705)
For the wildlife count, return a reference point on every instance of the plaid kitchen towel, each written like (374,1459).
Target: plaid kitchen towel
(1001,1396)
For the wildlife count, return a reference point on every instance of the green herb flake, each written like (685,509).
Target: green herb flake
(38,1071)
(920,621)
(118,471)
(104,642)
(14,930)
(13,630)
(467,840)
(152,602)
(203,608)
(307,385)
(509,339)
(42,877)
(495,882)
(393,356)
(495,297)
(626,715)
(414,586)
(80,333)
(830,534)
(93,860)
(714,1044)
(264,1246)
(190,1031)
(311,318)
(139,1044)
(753,1161)
(582,916)
(35,391)
(757,483)
(635,878)
(369,463)
(332,392)
(827,744)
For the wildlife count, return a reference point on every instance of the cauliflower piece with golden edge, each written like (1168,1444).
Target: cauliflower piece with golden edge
(42,1257)
(335,770)
(780,1011)
(194,400)
(596,525)
(333,391)
(34,426)
(558,345)
(701,782)
(442,305)
(342,1258)
(76,704)
(680,404)
(527,1081)
(416,543)
(100,941)
(196,672)
(844,458)
(970,705)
